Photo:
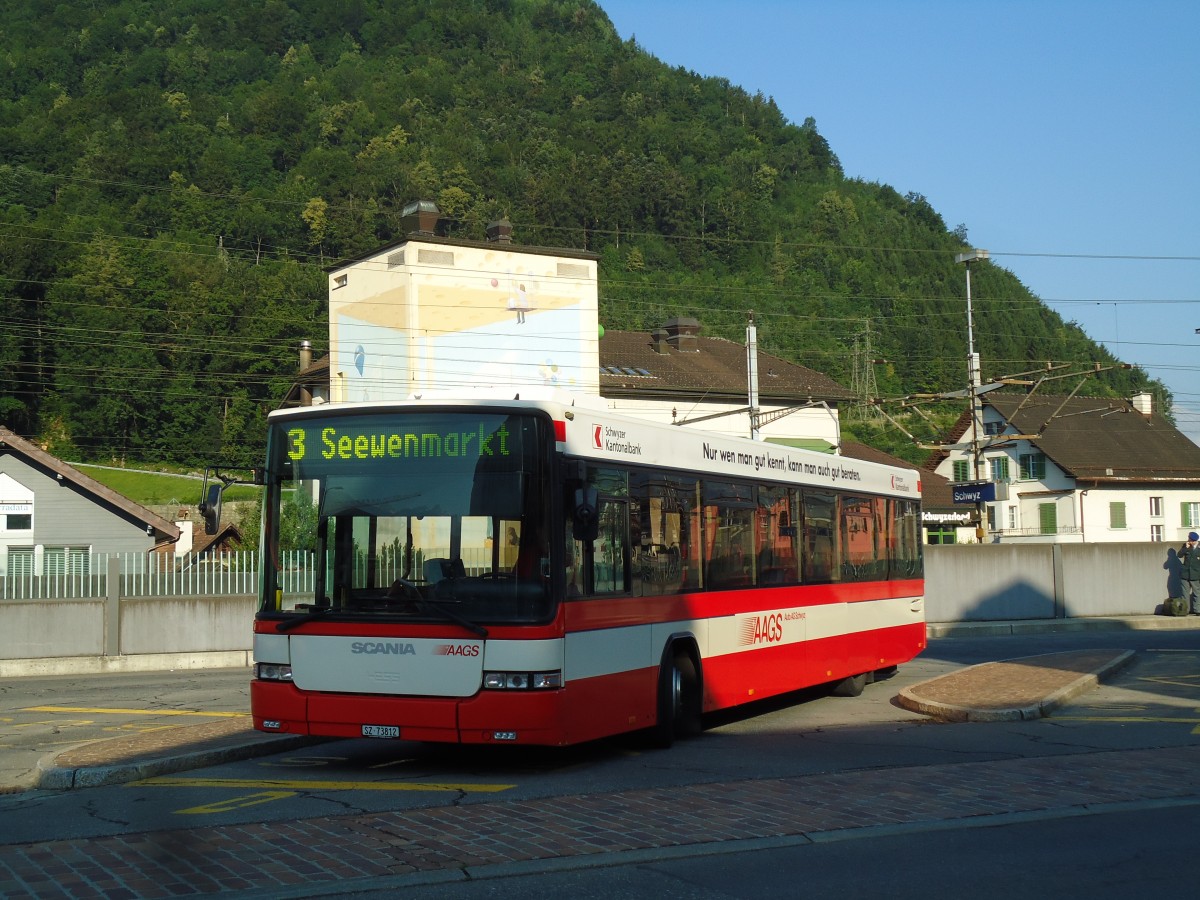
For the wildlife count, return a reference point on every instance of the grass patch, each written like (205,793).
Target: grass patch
(160,488)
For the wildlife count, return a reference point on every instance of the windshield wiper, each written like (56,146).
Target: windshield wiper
(300,620)
(454,617)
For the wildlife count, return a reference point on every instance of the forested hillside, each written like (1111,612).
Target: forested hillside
(174,176)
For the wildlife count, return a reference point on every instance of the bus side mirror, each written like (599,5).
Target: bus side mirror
(585,515)
(210,509)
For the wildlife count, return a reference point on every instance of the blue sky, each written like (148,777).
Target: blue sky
(1065,135)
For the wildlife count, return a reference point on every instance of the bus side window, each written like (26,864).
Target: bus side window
(610,558)
(820,535)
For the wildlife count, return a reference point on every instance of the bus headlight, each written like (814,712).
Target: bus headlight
(522,681)
(272,672)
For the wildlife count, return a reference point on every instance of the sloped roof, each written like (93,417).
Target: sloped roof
(205,544)
(715,370)
(1097,439)
(1102,439)
(313,377)
(11,442)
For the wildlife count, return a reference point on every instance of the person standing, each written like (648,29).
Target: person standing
(1189,558)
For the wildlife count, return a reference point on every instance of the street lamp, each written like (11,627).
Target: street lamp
(973,380)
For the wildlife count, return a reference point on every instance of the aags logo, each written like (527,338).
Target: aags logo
(761,630)
(456,650)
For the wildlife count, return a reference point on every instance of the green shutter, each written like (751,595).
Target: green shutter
(1048,518)
(1000,469)
(1116,515)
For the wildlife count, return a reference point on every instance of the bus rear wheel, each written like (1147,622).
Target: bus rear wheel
(678,701)
(850,687)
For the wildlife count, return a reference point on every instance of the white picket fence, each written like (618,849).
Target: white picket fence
(157,575)
(227,574)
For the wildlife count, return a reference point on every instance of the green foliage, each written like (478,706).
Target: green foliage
(176,175)
(297,524)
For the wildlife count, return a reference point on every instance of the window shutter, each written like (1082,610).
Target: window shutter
(54,561)
(20,562)
(1116,515)
(1048,518)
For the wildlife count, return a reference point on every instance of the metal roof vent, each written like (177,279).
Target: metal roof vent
(420,217)
(500,232)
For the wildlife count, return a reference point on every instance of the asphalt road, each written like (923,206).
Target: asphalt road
(1153,703)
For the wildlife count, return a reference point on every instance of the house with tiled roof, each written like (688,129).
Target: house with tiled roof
(1077,469)
(676,374)
(53,518)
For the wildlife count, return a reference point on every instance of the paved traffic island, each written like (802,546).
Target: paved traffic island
(1024,688)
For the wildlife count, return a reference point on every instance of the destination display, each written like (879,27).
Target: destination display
(432,442)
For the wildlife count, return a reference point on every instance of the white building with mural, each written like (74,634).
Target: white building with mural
(438,314)
(433,313)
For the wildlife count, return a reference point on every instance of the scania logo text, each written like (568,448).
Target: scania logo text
(394,648)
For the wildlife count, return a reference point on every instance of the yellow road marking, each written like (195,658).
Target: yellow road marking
(394,762)
(139,729)
(235,803)
(299,785)
(137,712)
(302,762)
(1183,681)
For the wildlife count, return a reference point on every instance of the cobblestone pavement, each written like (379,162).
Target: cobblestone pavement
(314,856)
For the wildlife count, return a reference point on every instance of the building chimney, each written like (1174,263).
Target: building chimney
(1143,403)
(420,217)
(658,340)
(500,232)
(306,396)
(683,334)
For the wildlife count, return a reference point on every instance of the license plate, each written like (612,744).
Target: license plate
(384,731)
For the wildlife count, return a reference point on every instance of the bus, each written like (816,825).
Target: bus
(542,572)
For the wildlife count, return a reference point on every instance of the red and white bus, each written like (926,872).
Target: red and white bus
(536,572)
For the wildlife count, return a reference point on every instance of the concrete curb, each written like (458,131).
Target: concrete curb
(1061,626)
(52,777)
(910,697)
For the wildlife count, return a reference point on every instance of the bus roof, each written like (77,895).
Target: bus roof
(590,432)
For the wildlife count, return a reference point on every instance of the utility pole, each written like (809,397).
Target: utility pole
(973,384)
(752,376)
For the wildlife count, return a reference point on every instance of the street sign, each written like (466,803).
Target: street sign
(975,492)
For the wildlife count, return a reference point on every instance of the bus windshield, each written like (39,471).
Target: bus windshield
(430,515)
